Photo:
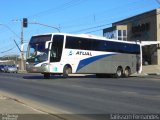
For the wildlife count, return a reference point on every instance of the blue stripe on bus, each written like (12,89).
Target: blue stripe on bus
(87,61)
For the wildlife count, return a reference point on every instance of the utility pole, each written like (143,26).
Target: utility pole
(24,24)
(22,50)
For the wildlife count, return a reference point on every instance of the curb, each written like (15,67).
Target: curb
(153,73)
(22,71)
(145,74)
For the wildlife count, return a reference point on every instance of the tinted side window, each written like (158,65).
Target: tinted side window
(78,43)
(100,45)
(95,45)
(85,44)
(72,43)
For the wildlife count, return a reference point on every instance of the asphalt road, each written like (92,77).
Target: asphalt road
(86,95)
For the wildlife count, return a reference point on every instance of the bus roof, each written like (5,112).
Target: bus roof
(89,36)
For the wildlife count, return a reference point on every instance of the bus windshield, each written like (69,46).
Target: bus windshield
(36,50)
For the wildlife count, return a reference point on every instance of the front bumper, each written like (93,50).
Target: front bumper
(40,69)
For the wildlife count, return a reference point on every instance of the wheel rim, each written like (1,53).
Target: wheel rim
(119,72)
(68,71)
(127,72)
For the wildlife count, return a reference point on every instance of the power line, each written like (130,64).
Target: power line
(8,50)
(93,27)
(125,22)
(59,8)
(104,19)
(158,1)
(94,31)
(10,30)
(93,15)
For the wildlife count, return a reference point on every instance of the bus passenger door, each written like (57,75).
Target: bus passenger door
(56,49)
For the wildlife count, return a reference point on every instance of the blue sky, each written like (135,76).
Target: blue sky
(70,16)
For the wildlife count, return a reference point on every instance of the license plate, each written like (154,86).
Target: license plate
(34,69)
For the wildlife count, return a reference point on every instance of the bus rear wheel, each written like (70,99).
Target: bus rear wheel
(66,71)
(119,72)
(127,72)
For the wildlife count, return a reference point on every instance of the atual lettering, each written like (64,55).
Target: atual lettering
(84,53)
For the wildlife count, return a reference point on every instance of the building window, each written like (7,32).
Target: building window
(124,39)
(125,35)
(110,35)
(116,34)
(119,38)
(122,35)
(119,33)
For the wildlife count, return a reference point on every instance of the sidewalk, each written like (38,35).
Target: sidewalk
(12,109)
(13,106)
(151,70)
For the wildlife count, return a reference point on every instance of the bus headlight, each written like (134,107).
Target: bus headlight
(44,64)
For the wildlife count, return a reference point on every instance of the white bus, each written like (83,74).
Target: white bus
(59,53)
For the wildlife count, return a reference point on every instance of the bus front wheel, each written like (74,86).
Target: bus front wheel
(66,71)
(46,75)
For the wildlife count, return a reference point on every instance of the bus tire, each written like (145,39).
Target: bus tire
(66,71)
(127,72)
(46,75)
(119,72)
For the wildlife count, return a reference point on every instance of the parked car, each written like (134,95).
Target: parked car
(10,69)
(2,68)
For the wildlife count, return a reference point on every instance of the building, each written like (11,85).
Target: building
(142,27)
